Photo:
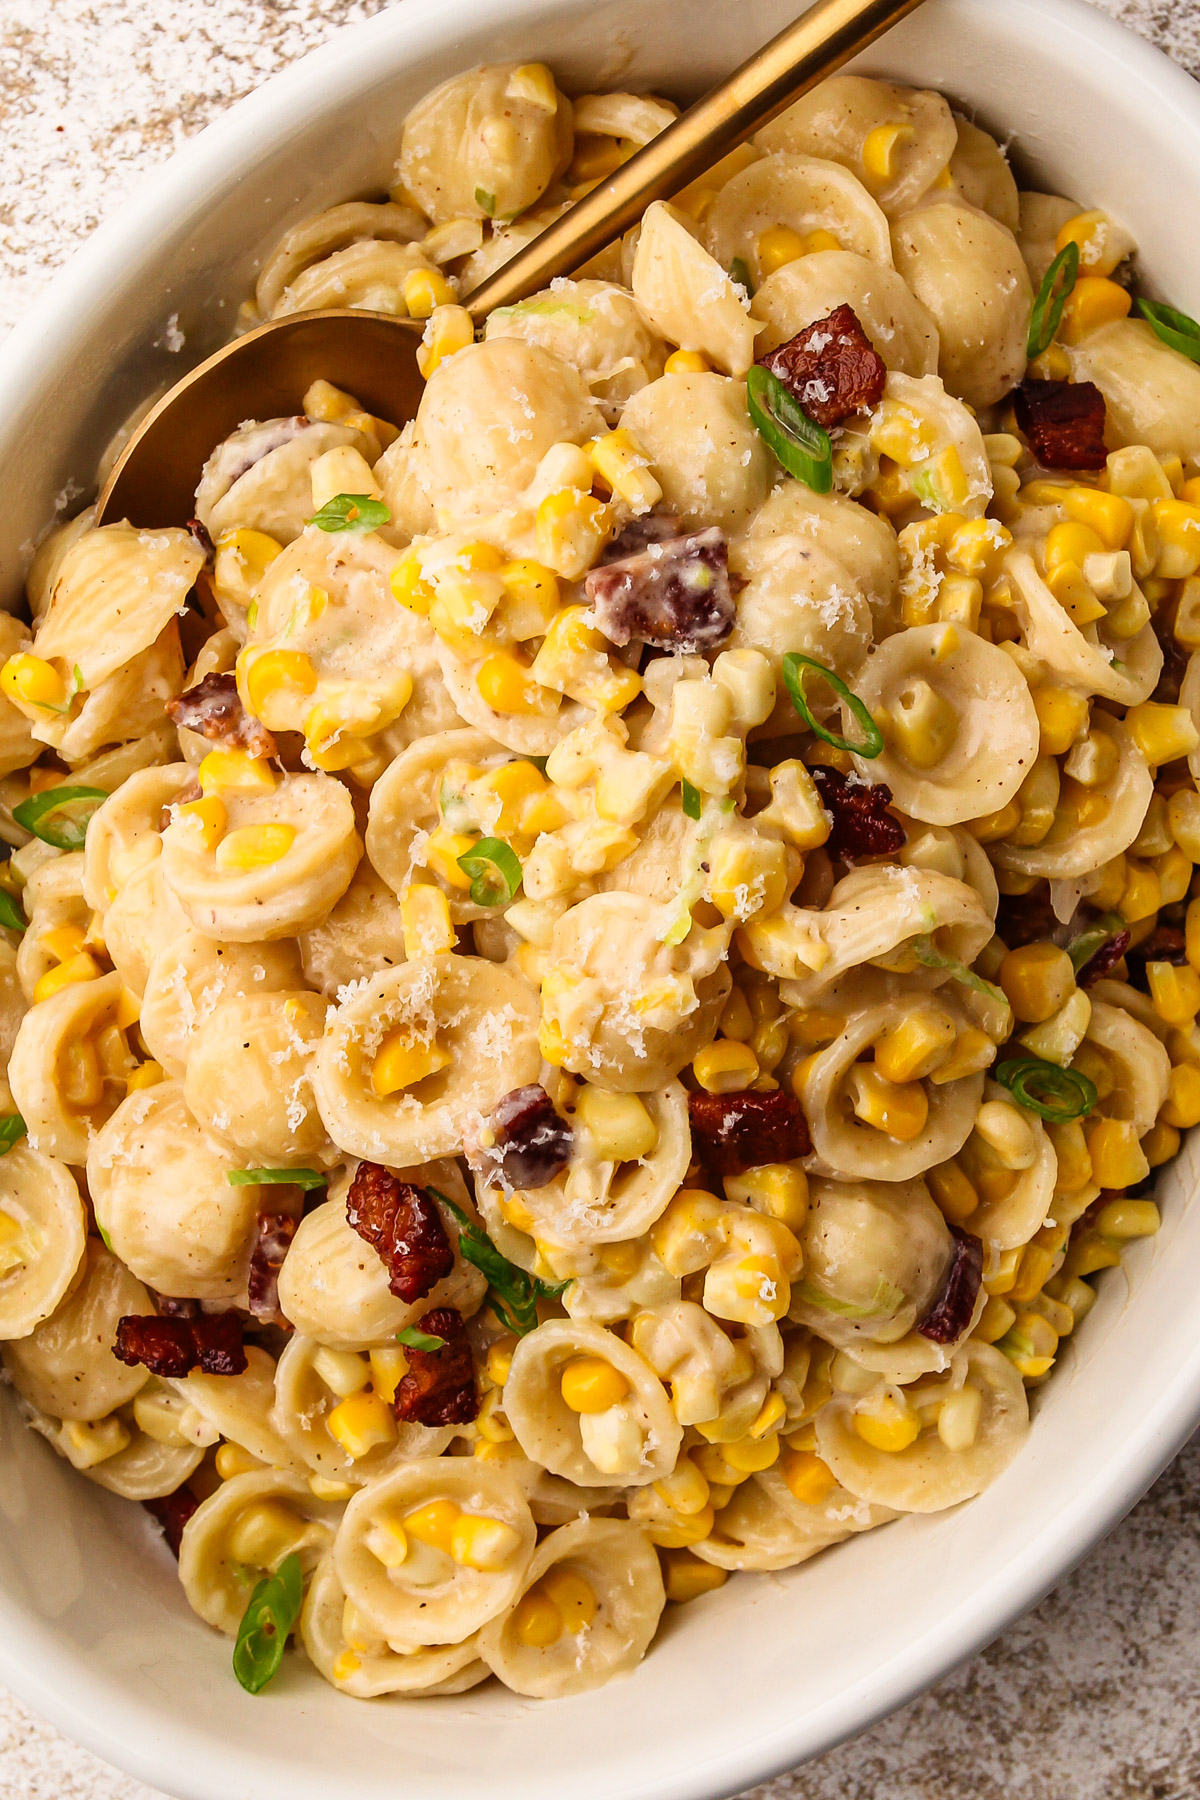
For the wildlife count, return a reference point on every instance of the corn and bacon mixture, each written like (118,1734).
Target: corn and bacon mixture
(588,982)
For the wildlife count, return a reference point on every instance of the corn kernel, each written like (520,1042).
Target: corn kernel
(478,1542)
(958,1418)
(389,1365)
(1031,1344)
(231,1460)
(953,1191)
(1010,1136)
(687,362)
(778,1189)
(425,289)
(750,1456)
(402,1061)
(973,1050)
(275,674)
(1037,980)
(361,1424)
(899,1110)
(1175,992)
(620,461)
(508,687)
(589,1384)
(264,1534)
(880,151)
(1160,1144)
(1100,248)
(685,1490)
(1071,542)
(618,1126)
(997,825)
(747,875)
(569,530)
(1118,1160)
(537,1621)
(685,1577)
(889,1425)
(425,918)
(996,1318)
(1128,1219)
(442,851)
(917,1046)
(1140,898)
(690,1232)
(146,1075)
(809,1480)
(29,681)
(1181,1108)
(725,1067)
(343,1372)
(433,1524)
(777,246)
(76,968)
(251,847)
(1162,733)
(233,771)
(1094,301)
(922,725)
(1178,527)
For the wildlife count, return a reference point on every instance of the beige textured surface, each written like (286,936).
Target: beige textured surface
(1093,1696)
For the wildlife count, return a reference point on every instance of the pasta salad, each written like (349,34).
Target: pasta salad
(588,980)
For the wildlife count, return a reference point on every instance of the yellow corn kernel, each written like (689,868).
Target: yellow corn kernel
(777,246)
(596,158)
(264,1534)
(880,151)
(1108,515)
(1074,594)
(589,1384)
(1118,1160)
(76,968)
(425,918)
(433,1524)
(29,681)
(1187,614)
(499,1359)
(63,942)
(508,687)
(343,1371)
(685,1490)
(996,1318)
(1094,301)
(725,1067)
(1031,1344)
(899,433)
(1175,993)
(272,673)
(620,461)
(750,1456)
(242,559)
(402,1061)
(1142,895)
(778,1189)
(531,599)
(233,771)
(922,724)
(362,1423)
(809,1480)
(618,1126)
(1181,1108)
(146,1075)
(747,875)
(954,1192)
(1162,733)
(252,847)
(685,1577)
(1178,526)
(574,659)
(409,586)
(898,1109)
(425,289)
(1128,1219)
(442,851)
(389,1366)
(690,1232)
(1007,1133)
(537,1621)
(687,362)
(1037,980)
(1174,871)
(231,1460)
(513,785)
(917,1046)
(958,1418)
(1071,542)
(569,529)
(1160,1144)
(770,1416)
(889,1425)
(572,1595)
(479,1542)
(533,83)
(1099,246)
(997,825)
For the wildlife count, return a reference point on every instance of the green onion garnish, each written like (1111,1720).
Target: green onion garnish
(301,1178)
(267,1622)
(12,1130)
(485,202)
(495,872)
(351,512)
(1057,1095)
(60,815)
(1052,297)
(11,916)
(798,443)
(1177,329)
(794,667)
(1082,949)
(739,271)
(412,1339)
(512,1294)
(691,800)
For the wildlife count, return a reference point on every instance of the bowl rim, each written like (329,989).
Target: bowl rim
(123,1729)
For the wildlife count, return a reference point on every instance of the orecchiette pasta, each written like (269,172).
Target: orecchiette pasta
(43,1232)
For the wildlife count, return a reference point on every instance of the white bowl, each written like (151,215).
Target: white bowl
(94,1629)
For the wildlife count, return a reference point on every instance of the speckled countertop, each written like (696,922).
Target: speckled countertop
(1093,1696)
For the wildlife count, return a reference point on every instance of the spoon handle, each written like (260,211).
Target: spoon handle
(805,52)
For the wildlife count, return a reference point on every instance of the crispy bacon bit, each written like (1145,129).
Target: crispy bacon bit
(950,1313)
(638,535)
(1026,918)
(831,367)
(732,1132)
(530,1143)
(214,709)
(173,1512)
(675,594)
(275,1234)
(1175,658)
(439,1388)
(211,1343)
(403,1226)
(862,824)
(1064,422)
(199,530)
(1164,945)
(1105,960)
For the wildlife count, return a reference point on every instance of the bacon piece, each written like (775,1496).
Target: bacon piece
(199,530)
(1175,658)
(404,1228)
(530,1142)
(831,367)
(638,535)
(214,709)
(1026,918)
(211,1342)
(173,1512)
(1164,945)
(1064,422)
(439,1388)
(950,1313)
(275,1234)
(1104,961)
(732,1132)
(862,824)
(675,594)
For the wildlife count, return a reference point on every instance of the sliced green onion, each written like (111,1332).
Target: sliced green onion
(513,1294)
(267,1622)
(351,512)
(485,202)
(739,271)
(495,872)
(60,815)
(691,800)
(1176,329)
(887,1299)
(927,952)
(1082,949)
(797,442)
(12,1130)
(301,1178)
(412,1339)
(1057,1095)
(1052,297)
(794,667)
(11,916)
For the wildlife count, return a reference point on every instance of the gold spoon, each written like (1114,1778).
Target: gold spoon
(265,373)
